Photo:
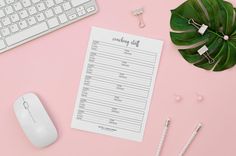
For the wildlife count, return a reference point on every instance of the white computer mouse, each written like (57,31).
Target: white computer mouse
(34,120)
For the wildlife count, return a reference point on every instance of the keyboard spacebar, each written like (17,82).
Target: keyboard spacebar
(78,2)
(28,33)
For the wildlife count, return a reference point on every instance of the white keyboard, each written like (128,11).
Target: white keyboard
(24,20)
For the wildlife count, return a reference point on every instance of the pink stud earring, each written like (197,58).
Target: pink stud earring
(200,98)
(178,98)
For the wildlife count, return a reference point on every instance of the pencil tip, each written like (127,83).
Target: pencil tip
(199,126)
(167,122)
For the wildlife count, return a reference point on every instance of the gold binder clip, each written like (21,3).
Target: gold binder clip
(201,28)
(204,51)
(139,13)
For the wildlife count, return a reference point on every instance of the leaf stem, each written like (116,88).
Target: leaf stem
(215,33)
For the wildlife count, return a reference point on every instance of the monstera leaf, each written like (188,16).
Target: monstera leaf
(220,37)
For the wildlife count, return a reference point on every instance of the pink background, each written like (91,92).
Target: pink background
(51,67)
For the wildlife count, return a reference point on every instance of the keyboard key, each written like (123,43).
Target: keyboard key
(53,22)
(6,21)
(23,24)
(71,12)
(2,14)
(26,3)
(32,10)
(71,17)
(78,2)
(90,9)
(35,1)
(27,33)
(81,13)
(66,6)
(49,13)
(2,44)
(31,21)
(14,18)
(57,10)
(63,18)
(2,3)
(14,28)
(9,10)
(81,8)
(40,17)
(5,32)
(17,6)
(9,1)
(59,1)
(23,14)
(41,6)
(49,3)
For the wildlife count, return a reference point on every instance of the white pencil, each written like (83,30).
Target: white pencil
(193,136)
(163,136)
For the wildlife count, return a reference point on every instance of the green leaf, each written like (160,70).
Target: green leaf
(220,18)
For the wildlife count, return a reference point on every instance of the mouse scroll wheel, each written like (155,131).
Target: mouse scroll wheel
(26,105)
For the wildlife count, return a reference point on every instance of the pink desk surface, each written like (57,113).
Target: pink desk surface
(51,67)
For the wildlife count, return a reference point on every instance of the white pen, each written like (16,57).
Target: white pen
(194,134)
(163,136)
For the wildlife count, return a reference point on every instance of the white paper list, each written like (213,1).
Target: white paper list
(117,84)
